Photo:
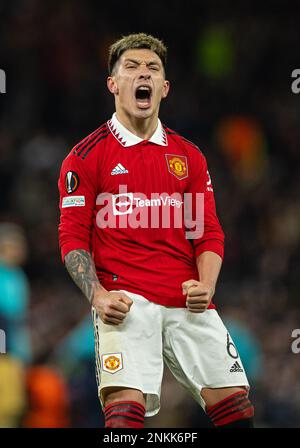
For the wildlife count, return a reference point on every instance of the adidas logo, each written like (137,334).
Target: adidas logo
(119,169)
(236,368)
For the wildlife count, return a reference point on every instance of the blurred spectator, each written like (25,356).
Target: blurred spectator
(48,399)
(75,356)
(243,144)
(215,53)
(13,392)
(14,291)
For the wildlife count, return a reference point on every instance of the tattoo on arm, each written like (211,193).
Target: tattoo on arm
(81,268)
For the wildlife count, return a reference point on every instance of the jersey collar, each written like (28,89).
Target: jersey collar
(127,138)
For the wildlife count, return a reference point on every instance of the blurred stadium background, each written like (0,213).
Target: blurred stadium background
(230,71)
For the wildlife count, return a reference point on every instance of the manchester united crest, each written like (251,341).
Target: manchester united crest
(177,165)
(112,362)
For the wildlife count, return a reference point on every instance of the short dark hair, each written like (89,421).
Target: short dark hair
(133,41)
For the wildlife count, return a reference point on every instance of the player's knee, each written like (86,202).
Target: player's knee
(212,396)
(124,408)
(116,394)
(234,411)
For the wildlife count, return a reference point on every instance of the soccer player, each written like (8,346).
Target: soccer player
(140,236)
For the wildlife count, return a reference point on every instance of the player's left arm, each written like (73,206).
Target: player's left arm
(200,292)
(209,248)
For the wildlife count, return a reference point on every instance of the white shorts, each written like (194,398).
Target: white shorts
(197,348)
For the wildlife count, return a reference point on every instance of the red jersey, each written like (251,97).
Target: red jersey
(144,209)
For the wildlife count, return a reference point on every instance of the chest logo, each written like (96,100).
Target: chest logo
(119,169)
(177,165)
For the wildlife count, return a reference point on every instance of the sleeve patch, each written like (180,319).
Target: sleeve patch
(72,181)
(73,201)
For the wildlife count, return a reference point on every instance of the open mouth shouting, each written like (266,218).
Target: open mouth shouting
(143,95)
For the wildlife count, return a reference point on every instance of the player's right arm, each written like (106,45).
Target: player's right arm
(112,307)
(78,192)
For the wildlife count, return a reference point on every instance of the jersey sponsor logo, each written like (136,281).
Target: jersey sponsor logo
(231,348)
(71,181)
(119,169)
(236,368)
(73,201)
(112,362)
(166,201)
(122,203)
(177,165)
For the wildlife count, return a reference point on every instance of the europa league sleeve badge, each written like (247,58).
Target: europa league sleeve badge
(71,182)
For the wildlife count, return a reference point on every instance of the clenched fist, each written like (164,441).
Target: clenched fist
(112,307)
(198,295)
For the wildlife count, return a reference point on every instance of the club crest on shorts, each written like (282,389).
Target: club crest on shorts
(177,165)
(112,362)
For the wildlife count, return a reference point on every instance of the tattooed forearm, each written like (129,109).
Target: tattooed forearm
(81,267)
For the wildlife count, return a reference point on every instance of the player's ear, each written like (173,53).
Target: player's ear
(112,85)
(166,89)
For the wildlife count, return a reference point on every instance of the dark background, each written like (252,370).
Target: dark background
(230,71)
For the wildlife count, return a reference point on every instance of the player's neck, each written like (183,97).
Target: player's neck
(141,127)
